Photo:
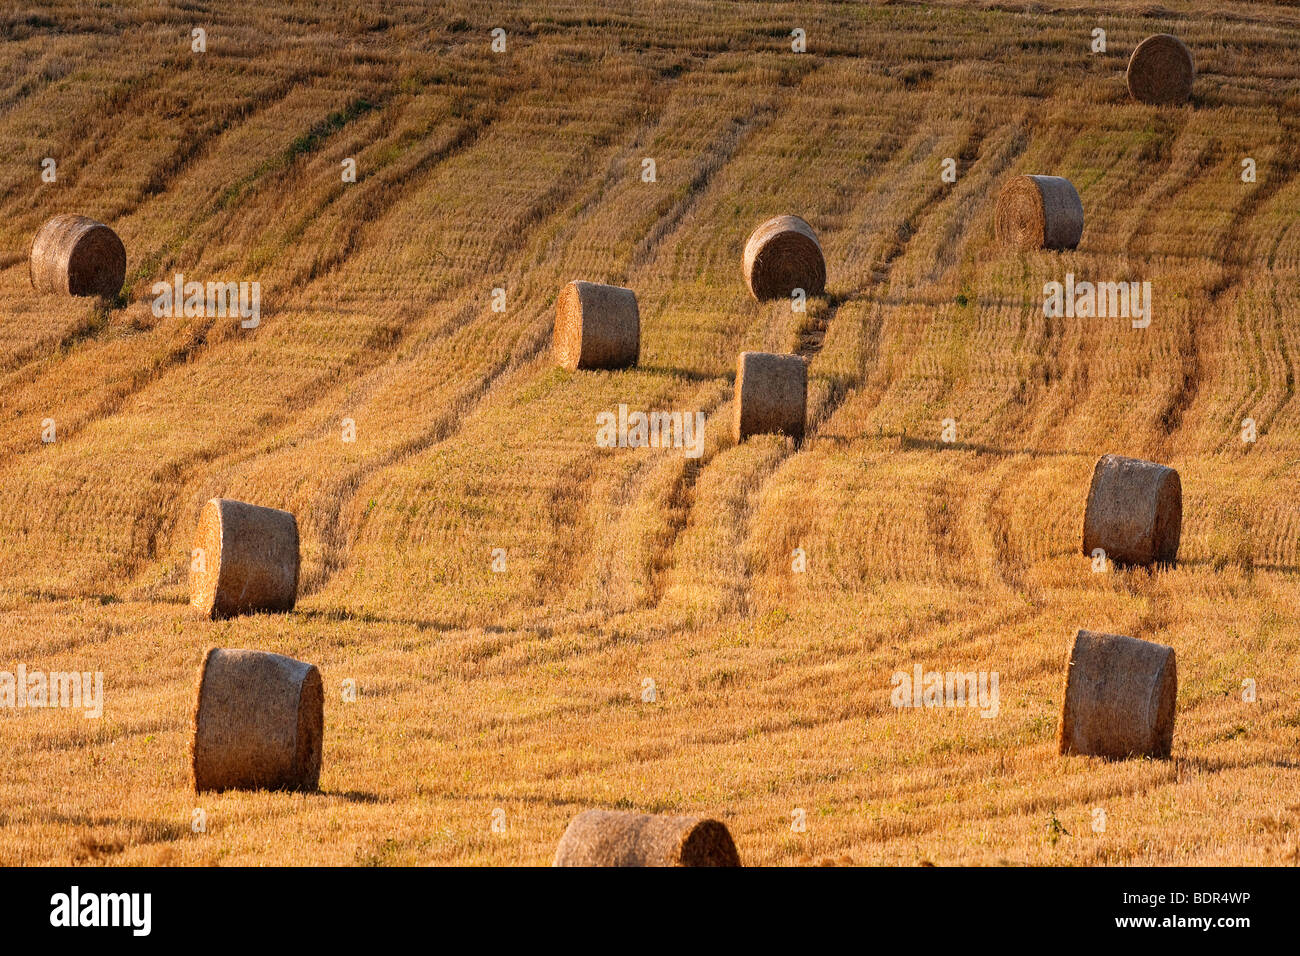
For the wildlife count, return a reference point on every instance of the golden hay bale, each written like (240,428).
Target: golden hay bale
(1120,696)
(246,559)
(1160,71)
(782,255)
(771,394)
(73,255)
(1134,511)
(611,838)
(259,720)
(596,326)
(1039,212)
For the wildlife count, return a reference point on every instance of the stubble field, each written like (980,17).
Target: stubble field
(522,691)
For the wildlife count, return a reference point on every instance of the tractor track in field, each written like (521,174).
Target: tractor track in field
(167,169)
(720,153)
(156,520)
(159,517)
(716,159)
(881,275)
(389,195)
(838,390)
(1288,390)
(1170,417)
(338,534)
(195,343)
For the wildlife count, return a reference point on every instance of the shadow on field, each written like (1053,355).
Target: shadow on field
(357,796)
(1219,564)
(424,624)
(690,374)
(1217,765)
(109,836)
(46,595)
(933,444)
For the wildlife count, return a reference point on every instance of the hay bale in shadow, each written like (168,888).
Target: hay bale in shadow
(782,255)
(596,326)
(246,561)
(612,838)
(1134,511)
(1120,698)
(259,722)
(73,255)
(771,395)
(1161,71)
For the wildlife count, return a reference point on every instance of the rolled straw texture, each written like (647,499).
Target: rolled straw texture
(596,326)
(614,838)
(73,255)
(1119,699)
(1039,212)
(782,255)
(259,722)
(771,395)
(246,560)
(1134,511)
(1161,71)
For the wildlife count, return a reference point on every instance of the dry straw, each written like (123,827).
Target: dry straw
(73,255)
(1039,212)
(259,720)
(1120,696)
(771,394)
(1134,511)
(1160,71)
(596,326)
(245,560)
(611,838)
(782,255)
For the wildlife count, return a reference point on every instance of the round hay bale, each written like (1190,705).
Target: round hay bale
(771,395)
(1039,212)
(611,838)
(259,721)
(1134,511)
(1160,71)
(248,560)
(596,326)
(1120,697)
(73,255)
(782,255)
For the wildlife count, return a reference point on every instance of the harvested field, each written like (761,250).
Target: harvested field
(513,625)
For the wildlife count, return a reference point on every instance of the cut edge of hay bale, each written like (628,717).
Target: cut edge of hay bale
(295,767)
(1134,512)
(1161,71)
(771,395)
(1039,212)
(781,255)
(1119,698)
(597,326)
(76,255)
(251,560)
(627,838)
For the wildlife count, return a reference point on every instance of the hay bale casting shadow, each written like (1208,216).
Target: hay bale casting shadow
(73,255)
(1134,511)
(782,255)
(1039,212)
(611,838)
(259,722)
(1120,697)
(1161,71)
(246,560)
(771,395)
(596,326)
